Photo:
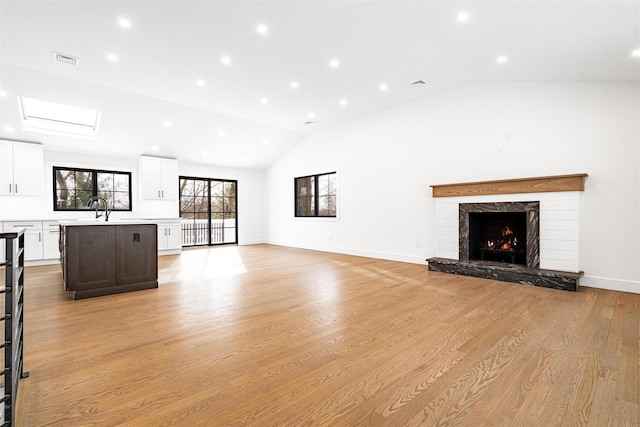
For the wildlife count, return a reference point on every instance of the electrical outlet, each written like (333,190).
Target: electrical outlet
(500,151)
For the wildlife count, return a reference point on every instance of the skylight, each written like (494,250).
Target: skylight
(57,119)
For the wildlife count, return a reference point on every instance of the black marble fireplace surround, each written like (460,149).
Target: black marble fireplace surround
(531,211)
(526,272)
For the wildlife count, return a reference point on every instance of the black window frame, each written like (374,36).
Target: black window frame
(316,196)
(94,189)
(209,213)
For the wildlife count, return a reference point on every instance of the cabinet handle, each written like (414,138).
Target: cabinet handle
(10,188)
(158,193)
(23,225)
(163,194)
(16,188)
(169,230)
(40,237)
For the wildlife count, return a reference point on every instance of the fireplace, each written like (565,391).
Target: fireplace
(523,230)
(505,232)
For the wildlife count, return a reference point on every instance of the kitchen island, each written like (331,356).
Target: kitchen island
(102,258)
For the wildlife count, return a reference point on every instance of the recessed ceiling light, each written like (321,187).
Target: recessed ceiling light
(124,23)
(3,93)
(221,133)
(154,148)
(334,63)
(167,124)
(343,102)
(265,141)
(112,57)
(200,82)
(8,129)
(205,154)
(262,29)
(245,160)
(226,60)
(384,87)
(311,115)
(501,59)
(294,85)
(264,101)
(636,53)
(463,17)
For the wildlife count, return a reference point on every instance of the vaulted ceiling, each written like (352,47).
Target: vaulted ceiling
(232,83)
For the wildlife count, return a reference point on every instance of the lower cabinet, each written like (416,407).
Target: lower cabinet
(32,237)
(136,254)
(169,235)
(50,240)
(107,259)
(90,257)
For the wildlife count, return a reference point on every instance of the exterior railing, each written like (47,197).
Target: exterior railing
(196,232)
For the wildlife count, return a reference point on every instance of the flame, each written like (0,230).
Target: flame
(506,243)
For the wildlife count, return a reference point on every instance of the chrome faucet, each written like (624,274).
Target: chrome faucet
(96,200)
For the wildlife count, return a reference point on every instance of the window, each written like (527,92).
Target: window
(73,188)
(316,195)
(208,211)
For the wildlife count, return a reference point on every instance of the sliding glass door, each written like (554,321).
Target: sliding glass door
(208,209)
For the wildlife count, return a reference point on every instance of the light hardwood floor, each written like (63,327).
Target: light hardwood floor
(271,336)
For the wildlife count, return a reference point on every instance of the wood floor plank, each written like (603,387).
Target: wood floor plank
(273,336)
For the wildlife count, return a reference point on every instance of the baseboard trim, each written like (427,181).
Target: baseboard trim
(412,259)
(252,242)
(610,284)
(587,281)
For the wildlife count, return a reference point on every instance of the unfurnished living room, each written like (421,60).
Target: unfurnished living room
(320,213)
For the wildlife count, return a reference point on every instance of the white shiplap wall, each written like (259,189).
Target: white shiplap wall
(559,226)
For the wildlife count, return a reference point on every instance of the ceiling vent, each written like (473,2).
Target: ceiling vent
(309,123)
(419,83)
(66,59)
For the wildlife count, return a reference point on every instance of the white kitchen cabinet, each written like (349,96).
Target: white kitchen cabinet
(169,235)
(21,169)
(50,240)
(2,245)
(33,245)
(158,178)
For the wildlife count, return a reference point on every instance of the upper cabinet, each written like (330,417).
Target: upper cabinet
(21,169)
(158,178)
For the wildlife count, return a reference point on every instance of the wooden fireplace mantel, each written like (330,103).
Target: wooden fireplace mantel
(542,184)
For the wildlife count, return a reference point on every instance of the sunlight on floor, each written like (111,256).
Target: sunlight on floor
(210,262)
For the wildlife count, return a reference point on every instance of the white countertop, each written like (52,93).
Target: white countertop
(101,221)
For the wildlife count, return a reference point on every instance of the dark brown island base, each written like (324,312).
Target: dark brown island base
(104,258)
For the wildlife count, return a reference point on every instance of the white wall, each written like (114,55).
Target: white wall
(250,189)
(250,197)
(387,161)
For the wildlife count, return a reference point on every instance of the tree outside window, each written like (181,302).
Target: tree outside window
(315,195)
(74,187)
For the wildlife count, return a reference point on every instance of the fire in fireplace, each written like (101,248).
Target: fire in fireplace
(498,236)
(500,232)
